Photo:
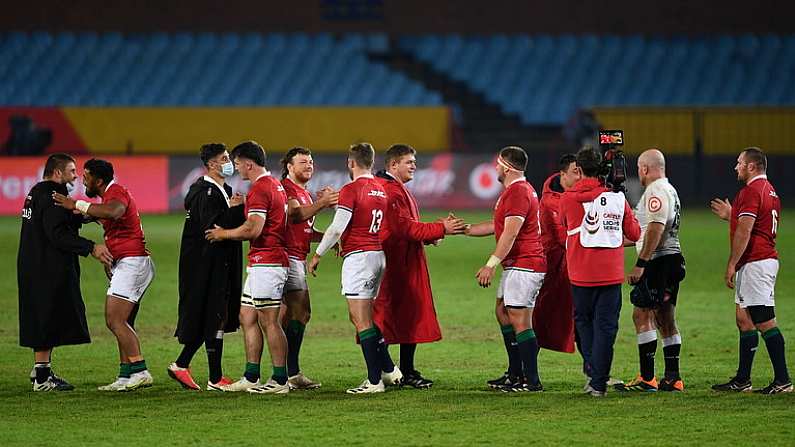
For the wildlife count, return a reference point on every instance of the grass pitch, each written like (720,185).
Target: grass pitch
(457,410)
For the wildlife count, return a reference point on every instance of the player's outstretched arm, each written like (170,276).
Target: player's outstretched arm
(480,229)
(250,230)
(113,209)
(330,238)
(513,224)
(298,213)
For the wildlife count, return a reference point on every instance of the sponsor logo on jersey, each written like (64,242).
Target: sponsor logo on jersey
(654,204)
(592,222)
(376,193)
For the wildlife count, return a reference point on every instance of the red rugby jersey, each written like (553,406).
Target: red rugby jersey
(520,199)
(299,235)
(266,198)
(365,198)
(124,236)
(759,200)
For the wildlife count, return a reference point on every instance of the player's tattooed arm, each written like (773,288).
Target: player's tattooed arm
(250,229)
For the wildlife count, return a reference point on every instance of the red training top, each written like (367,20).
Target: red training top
(123,236)
(299,235)
(759,200)
(520,200)
(366,200)
(267,199)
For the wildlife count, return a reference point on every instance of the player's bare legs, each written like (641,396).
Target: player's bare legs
(277,342)
(252,334)
(296,307)
(360,313)
(117,311)
(133,373)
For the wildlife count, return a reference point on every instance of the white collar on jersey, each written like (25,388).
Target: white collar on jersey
(764,176)
(221,188)
(520,179)
(112,182)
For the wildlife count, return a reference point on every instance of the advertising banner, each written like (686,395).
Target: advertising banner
(442,181)
(145,177)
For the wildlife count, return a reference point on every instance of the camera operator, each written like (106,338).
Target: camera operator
(597,220)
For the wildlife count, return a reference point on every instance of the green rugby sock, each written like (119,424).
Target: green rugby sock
(294,331)
(527,345)
(511,347)
(124,370)
(136,367)
(252,372)
(774,342)
(749,341)
(279,374)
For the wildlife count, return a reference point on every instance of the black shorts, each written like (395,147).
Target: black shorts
(660,282)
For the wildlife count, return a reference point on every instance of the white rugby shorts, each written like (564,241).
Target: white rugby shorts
(755,283)
(296,276)
(264,286)
(362,273)
(519,287)
(130,278)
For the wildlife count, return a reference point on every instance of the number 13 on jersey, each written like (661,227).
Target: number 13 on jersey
(375,224)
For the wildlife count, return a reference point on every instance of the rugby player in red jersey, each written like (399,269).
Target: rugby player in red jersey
(519,251)
(297,170)
(131,272)
(265,227)
(752,268)
(357,221)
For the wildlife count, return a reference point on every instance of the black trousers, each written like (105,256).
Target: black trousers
(596,312)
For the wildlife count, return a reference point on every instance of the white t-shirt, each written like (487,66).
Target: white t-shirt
(660,203)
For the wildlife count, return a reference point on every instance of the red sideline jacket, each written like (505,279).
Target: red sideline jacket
(553,320)
(593,267)
(404,309)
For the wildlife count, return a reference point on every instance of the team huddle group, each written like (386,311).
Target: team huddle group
(562,259)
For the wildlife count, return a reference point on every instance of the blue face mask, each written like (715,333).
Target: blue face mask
(227,169)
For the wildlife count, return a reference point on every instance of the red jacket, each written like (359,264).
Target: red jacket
(552,231)
(553,320)
(404,309)
(593,267)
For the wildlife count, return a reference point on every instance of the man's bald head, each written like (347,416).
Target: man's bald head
(651,166)
(652,158)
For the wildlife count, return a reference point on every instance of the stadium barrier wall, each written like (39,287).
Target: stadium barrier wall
(709,130)
(177,130)
(443,181)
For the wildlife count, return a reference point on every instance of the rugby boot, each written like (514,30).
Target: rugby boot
(368,388)
(182,376)
(734,384)
(639,384)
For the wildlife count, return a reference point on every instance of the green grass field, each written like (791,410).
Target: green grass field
(457,410)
